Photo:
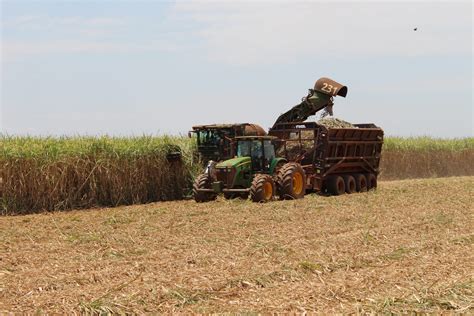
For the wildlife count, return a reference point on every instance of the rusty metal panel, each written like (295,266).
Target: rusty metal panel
(254,130)
(336,150)
(330,87)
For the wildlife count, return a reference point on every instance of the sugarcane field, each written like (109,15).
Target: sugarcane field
(184,158)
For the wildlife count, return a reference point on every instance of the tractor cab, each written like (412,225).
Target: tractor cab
(261,151)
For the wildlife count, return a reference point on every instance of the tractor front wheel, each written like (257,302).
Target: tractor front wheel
(262,188)
(292,181)
(203,181)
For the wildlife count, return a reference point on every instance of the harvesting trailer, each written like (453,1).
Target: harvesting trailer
(334,160)
(254,171)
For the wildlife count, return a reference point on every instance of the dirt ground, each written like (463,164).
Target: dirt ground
(406,247)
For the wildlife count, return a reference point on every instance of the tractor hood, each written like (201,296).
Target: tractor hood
(234,162)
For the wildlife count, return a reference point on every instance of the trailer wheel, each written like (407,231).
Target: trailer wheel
(203,182)
(371,181)
(361,182)
(291,181)
(262,188)
(350,184)
(336,185)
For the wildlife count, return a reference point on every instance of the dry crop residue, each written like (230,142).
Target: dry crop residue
(406,247)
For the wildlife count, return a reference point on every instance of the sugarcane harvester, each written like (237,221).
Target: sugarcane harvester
(297,157)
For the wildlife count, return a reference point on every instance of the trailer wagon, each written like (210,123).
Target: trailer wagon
(335,160)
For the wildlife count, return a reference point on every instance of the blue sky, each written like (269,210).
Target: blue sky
(150,67)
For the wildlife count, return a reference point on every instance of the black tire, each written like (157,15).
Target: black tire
(203,181)
(336,185)
(361,182)
(350,184)
(371,181)
(291,181)
(262,188)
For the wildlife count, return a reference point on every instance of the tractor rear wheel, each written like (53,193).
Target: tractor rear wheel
(371,181)
(291,181)
(350,184)
(361,182)
(262,188)
(336,185)
(203,181)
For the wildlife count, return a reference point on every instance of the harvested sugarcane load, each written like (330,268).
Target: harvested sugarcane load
(332,122)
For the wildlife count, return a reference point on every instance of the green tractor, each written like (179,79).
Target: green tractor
(254,171)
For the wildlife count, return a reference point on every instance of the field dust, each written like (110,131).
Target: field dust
(408,247)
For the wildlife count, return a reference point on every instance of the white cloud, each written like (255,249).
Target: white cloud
(43,22)
(245,32)
(268,32)
(41,35)
(15,50)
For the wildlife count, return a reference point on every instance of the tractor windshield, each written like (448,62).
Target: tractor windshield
(262,152)
(269,150)
(250,148)
(244,148)
(208,138)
